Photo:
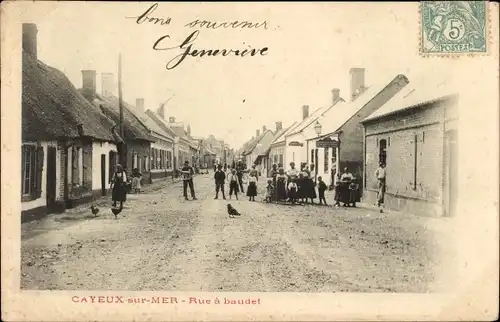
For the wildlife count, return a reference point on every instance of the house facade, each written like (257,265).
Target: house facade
(65,140)
(256,153)
(137,138)
(416,136)
(160,162)
(276,153)
(342,144)
(296,140)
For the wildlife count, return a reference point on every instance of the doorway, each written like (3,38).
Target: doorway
(103,174)
(450,173)
(51,185)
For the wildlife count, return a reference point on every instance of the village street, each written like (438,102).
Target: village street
(162,242)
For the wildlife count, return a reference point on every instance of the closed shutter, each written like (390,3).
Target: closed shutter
(39,156)
(23,167)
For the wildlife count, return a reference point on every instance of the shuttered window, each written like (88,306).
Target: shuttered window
(32,169)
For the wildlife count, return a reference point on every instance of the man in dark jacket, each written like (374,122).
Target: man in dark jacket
(187,179)
(220,178)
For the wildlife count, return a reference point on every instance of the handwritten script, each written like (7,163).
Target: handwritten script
(187,49)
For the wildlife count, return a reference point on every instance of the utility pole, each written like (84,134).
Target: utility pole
(123,152)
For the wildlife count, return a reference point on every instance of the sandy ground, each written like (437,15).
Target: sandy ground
(162,242)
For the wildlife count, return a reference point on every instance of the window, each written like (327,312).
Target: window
(134,160)
(382,151)
(312,156)
(326,161)
(334,155)
(32,169)
(169,159)
(112,164)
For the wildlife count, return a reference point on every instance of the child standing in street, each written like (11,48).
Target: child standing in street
(220,178)
(136,180)
(252,187)
(233,184)
(321,190)
(292,191)
(269,191)
(338,193)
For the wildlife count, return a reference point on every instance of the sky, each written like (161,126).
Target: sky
(311,47)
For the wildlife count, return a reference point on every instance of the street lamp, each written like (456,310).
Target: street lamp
(317,128)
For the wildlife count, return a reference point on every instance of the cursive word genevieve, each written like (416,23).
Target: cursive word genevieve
(188,50)
(226,24)
(146,18)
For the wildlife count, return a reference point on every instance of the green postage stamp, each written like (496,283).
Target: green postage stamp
(453,27)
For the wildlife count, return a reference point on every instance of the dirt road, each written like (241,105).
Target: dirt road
(162,242)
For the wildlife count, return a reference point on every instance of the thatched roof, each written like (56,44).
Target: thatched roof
(133,127)
(52,108)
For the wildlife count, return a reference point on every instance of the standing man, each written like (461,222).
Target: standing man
(220,178)
(187,179)
(380,175)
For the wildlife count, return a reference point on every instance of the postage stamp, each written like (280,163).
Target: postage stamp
(453,27)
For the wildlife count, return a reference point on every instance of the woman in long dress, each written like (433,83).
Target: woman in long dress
(252,187)
(281,181)
(118,186)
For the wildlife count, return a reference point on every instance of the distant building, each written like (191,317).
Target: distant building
(256,152)
(415,134)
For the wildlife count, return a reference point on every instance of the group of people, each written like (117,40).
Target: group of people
(294,186)
(235,176)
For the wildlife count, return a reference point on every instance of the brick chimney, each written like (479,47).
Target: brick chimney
(161,111)
(305,111)
(264,129)
(257,133)
(139,103)
(89,84)
(171,119)
(335,95)
(30,39)
(107,84)
(279,126)
(357,82)
(188,129)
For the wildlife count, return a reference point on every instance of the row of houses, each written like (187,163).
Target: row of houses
(71,137)
(409,124)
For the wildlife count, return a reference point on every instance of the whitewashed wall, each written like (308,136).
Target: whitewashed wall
(42,201)
(99,148)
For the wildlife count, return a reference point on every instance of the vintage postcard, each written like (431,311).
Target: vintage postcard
(241,161)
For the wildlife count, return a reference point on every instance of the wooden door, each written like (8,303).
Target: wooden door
(51,185)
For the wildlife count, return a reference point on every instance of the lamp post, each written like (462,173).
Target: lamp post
(317,129)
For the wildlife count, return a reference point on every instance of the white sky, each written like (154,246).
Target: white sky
(311,48)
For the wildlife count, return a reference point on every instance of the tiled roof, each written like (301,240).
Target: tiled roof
(52,107)
(157,119)
(133,127)
(341,113)
(313,117)
(417,92)
(281,137)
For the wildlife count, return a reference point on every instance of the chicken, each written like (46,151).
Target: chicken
(116,211)
(232,212)
(95,210)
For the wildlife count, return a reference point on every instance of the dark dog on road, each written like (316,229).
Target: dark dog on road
(232,212)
